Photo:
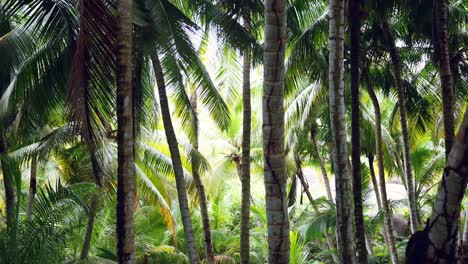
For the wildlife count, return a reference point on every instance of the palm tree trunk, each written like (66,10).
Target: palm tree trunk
(202,195)
(125,137)
(355,32)
(10,192)
(396,64)
(388,234)
(326,182)
(292,191)
(32,189)
(245,161)
(440,8)
(273,131)
(344,221)
(438,242)
(375,185)
(176,161)
(465,232)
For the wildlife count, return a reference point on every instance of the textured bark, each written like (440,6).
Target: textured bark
(344,223)
(440,8)
(273,131)
(359,226)
(202,195)
(388,234)
(90,226)
(437,243)
(396,65)
(374,181)
(32,189)
(326,182)
(176,161)
(9,187)
(245,161)
(125,136)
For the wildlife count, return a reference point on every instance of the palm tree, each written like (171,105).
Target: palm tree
(388,234)
(442,48)
(273,131)
(438,241)
(338,129)
(355,32)
(176,161)
(396,65)
(125,135)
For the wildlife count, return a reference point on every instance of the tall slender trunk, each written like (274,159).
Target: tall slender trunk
(125,136)
(32,189)
(440,8)
(359,226)
(465,231)
(344,223)
(292,191)
(326,181)
(396,65)
(375,185)
(437,243)
(305,186)
(245,160)
(388,234)
(273,131)
(9,187)
(176,161)
(202,194)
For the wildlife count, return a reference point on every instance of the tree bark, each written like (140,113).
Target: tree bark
(388,234)
(245,160)
(437,243)
(273,131)
(396,65)
(32,189)
(359,226)
(125,137)
(326,182)
(9,187)
(344,221)
(202,195)
(176,161)
(440,8)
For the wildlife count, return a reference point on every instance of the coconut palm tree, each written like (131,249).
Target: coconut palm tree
(338,129)
(355,32)
(125,135)
(273,131)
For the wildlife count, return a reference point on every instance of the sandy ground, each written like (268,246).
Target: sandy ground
(395,191)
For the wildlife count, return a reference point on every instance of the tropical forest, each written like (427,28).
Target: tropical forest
(233,131)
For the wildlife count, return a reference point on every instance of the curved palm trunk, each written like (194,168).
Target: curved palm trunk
(396,65)
(245,162)
(437,243)
(375,185)
(344,223)
(273,131)
(125,136)
(176,161)
(32,189)
(202,195)
(440,8)
(355,32)
(390,240)
(326,182)
(10,191)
